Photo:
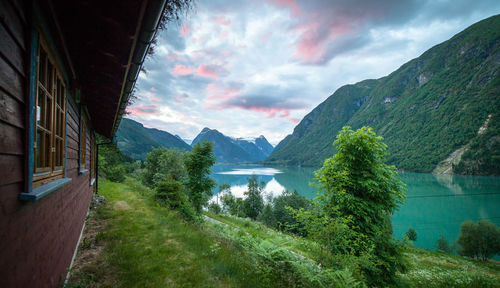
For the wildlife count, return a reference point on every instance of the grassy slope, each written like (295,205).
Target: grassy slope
(426,268)
(146,245)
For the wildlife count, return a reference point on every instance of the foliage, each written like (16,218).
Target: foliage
(425,110)
(411,234)
(357,193)
(232,204)
(214,208)
(169,192)
(113,164)
(267,216)
(442,245)
(253,204)
(479,240)
(162,164)
(199,164)
(283,216)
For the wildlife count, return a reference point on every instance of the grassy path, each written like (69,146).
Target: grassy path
(146,245)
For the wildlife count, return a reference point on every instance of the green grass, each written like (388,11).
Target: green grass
(149,246)
(426,268)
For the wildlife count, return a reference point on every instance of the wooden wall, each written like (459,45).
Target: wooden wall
(37,239)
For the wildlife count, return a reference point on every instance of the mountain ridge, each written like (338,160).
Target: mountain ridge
(427,109)
(135,140)
(235,150)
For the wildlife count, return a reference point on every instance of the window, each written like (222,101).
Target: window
(49,119)
(83,144)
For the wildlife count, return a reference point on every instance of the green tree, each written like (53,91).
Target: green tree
(442,245)
(481,240)
(411,234)
(356,184)
(254,202)
(162,164)
(284,217)
(199,164)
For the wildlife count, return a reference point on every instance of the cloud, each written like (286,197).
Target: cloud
(222,20)
(144,110)
(258,67)
(183,70)
(185,30)
(209,71)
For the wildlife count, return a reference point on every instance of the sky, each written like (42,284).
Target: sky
(250,68)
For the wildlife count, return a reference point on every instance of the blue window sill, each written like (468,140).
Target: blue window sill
(44,190)
(92,182)
(83,171)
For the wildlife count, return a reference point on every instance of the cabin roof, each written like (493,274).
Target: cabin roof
(106,43)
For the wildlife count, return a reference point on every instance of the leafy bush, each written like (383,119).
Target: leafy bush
(284,218)
(411,234)
(169,192)
(443,246)
(113,164)
(161,164)
(214,208)
(481,240)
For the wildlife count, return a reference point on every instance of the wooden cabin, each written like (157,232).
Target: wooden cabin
(67,69)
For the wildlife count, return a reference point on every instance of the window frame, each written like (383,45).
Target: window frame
(53,88)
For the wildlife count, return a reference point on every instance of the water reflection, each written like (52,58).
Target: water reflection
(447,200)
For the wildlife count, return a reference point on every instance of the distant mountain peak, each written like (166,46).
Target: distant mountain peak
(235,150)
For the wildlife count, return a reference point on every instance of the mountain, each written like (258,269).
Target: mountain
(187,141)
(439,112)
(239,150)
(136,141)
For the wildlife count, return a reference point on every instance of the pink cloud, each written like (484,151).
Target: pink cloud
(183,70)
(293,120)
(223,35)
(209,71)
(185,30)
(143,110)
(175,57)
(295,11)
(265,37)
(153,89)
(151,96)
(222,93)
(222,20)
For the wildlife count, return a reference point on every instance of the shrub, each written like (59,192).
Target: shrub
(169,192)
(481,240)
(162,163)
(214,208)
(442,245)
(411,234)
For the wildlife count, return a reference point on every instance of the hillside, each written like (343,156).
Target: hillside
(443,101)
(239,150)
(135,140)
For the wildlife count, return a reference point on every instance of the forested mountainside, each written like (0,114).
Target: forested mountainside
(135,140)
(235,150)
(439,112)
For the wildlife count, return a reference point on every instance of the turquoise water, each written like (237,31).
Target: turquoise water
(436,204)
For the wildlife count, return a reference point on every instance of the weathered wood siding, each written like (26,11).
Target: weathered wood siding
(37,239)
